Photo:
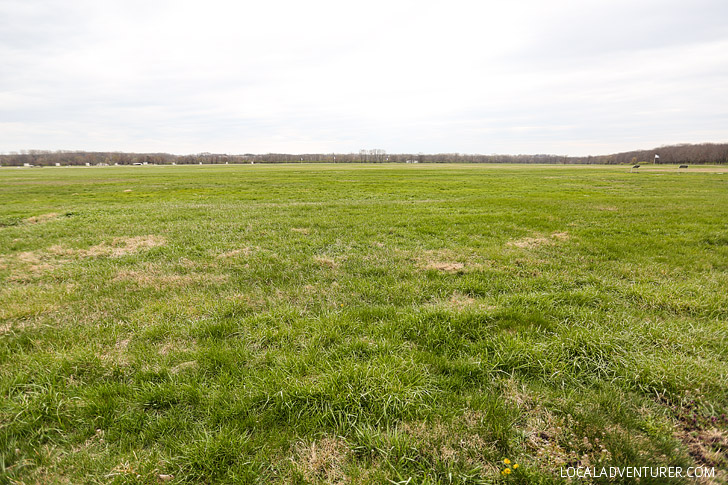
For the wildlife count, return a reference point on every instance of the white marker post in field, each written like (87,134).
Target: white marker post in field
(657,157)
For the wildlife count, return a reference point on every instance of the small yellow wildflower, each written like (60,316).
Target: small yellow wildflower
(515,465)
(507,461)
(507,471)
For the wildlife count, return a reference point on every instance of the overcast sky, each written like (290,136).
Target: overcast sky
(523,76)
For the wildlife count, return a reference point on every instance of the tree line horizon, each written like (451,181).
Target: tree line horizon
(701,153)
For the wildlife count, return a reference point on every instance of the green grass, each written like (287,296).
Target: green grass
(320,323)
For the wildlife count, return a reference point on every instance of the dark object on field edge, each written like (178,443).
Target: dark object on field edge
(636,166)
(683,166)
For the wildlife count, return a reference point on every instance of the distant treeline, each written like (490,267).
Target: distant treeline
(704,153)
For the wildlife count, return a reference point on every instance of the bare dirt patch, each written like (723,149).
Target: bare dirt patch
(705,437)
(709,447)
(322,460)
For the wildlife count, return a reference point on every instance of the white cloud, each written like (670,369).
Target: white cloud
(572,77)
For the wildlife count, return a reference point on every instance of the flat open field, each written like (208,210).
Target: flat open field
(358,324)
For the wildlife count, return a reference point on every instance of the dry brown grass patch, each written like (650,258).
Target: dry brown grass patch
(58,250)
(183,367)
(41,218)
(118,354)
(690,169)
(538,241)
(456,441)
(187,263)
(459,302)
(529,242)
(30,257)
(51,472)
(301,230)
(153,277)
(177,346)
(446,260)
(122,344)
(28,264)
(543,430)
(322,460)
(121,246)
(256,301)
(95,440)
(246,251)
(328,262)
(516,393)
(10,326)
(448,267)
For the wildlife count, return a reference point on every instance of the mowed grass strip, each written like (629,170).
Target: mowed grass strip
(360,324)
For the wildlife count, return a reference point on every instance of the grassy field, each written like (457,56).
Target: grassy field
(362,324)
